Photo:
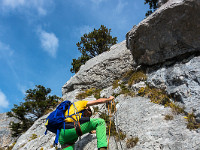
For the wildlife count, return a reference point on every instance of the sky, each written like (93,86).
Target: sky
(38,40)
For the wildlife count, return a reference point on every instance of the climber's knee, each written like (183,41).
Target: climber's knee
(101,121)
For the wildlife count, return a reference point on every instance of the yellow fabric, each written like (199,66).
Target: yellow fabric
(80,105)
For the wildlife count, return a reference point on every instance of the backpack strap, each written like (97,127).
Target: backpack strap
(76,112)
(56,139)
(78,128)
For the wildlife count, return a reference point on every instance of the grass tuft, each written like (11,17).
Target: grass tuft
(137,77)
(176,109)
(169,117)
(89,92)
(34,136)
(131,142)
(115,84)
(156,95)
(192,122)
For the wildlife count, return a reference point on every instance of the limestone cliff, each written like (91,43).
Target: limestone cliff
(166,47)
(6,139)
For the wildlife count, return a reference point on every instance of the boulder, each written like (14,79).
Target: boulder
(171,31)
(102,70)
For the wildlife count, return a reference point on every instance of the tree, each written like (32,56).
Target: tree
(153,5)
(37,102)
(76,63)
(93,44)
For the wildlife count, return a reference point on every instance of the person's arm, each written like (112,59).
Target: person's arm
(100,101)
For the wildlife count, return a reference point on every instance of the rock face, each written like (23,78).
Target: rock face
(102,70)
(168,43)
(5,133)
(171,31)
(35,139)
(138,117)
(182,81)
(161,2)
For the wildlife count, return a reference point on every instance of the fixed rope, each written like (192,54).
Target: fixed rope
(112,104)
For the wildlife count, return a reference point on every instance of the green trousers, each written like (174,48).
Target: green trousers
(70,136)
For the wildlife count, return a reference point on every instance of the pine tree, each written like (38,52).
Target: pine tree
(37,102)
(153,5)
(93,44)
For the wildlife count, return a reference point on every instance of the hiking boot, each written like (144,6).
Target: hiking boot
(103,148)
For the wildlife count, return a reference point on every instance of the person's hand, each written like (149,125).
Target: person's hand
(111,97)
(93,132)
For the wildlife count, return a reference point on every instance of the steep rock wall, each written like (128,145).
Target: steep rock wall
(137,116)
(169,32)
(5,133)
(102,70)
(181,81)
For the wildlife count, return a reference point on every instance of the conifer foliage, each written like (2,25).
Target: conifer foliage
(153,5)
(93,44)
(37,102)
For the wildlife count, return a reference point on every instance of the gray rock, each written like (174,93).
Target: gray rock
(171,31)
(102,70)
(137,86)
(138,117)
(71,95)
(182,81)
(161,2)
(107,92)
(5,133)
(26,142)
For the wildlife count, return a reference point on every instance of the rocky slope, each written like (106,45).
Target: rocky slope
(102,70)
(5,133)
(166,47)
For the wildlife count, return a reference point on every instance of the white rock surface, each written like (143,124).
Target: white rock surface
(102,70)
(182,81)
(5,133)
(138,117)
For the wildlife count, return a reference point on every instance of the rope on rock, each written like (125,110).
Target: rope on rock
(110,116)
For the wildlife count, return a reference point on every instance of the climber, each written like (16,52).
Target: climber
(72,131)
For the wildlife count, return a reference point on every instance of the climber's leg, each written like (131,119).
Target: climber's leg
(69,148)
(68,137)
(97,124)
